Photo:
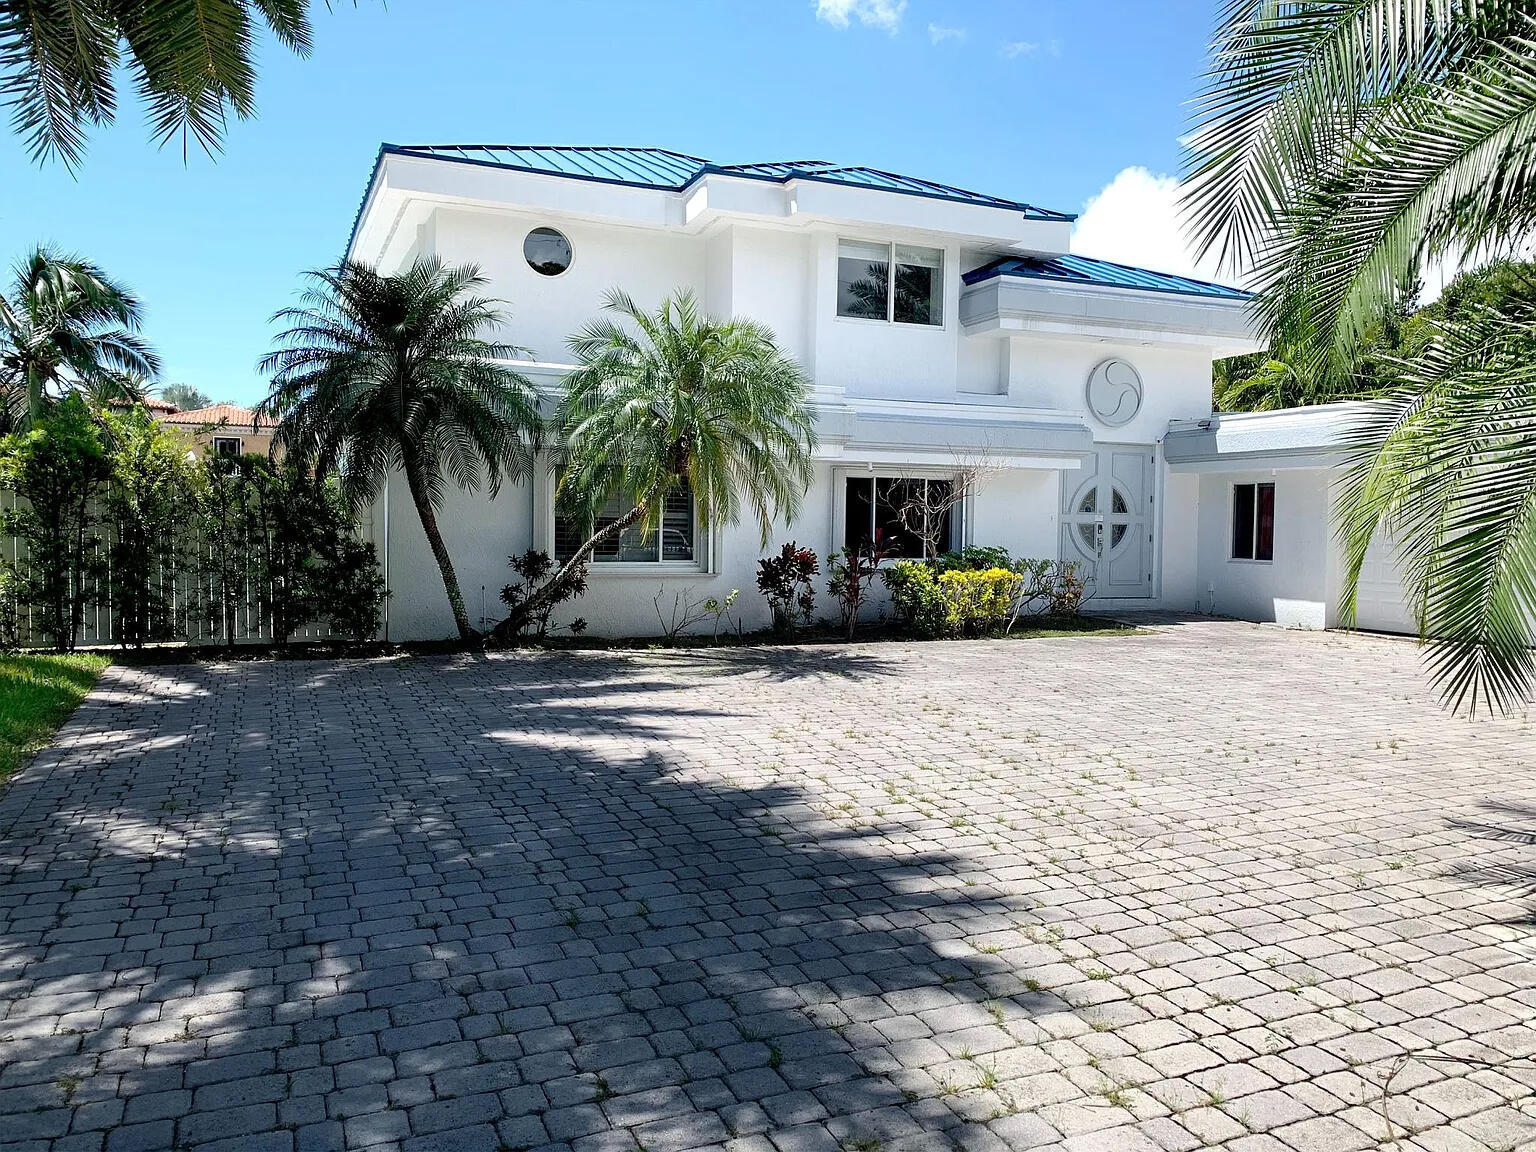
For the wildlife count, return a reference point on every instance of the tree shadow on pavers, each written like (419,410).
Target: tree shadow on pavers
(374,900)
(1506,824)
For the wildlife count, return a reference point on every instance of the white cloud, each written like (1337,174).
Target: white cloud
(1013,49)
(1135,220)
(938,34)
(884,14)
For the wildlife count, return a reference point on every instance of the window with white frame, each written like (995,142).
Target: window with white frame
(902,513)
(676,542)
(867,289)
(1253,521)
(227,445)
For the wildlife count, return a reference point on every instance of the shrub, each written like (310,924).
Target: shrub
(149,504)
(958,602)
(974,559)
(978,601)
(534,567)
(849,576)
(916,598)
(785,582)
(1069,591)
(57,468)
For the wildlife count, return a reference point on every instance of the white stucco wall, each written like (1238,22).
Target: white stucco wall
(1295,588)
(543,311)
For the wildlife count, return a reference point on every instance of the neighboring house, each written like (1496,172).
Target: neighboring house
(938,326)
(220,430)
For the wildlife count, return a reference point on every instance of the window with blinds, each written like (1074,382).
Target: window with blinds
(674,542)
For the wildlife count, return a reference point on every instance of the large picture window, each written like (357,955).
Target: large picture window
(874,511)
(675,541)
(867,289)
(1253,522)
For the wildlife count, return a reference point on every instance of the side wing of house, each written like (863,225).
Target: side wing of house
(1266,485)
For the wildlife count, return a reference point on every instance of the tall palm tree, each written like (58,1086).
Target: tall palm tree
(191,63)
(66,326)
(377,373)
(670,398)
(1340,145)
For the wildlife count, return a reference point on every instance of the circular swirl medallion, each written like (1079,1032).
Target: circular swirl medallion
(1114,392)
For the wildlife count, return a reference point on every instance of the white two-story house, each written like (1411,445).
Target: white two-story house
(940,328)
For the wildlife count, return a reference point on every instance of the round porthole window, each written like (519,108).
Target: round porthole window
(548,252)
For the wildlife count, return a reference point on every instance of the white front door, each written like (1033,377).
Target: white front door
(1106,523)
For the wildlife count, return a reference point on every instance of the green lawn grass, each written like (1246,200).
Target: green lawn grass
(37,693)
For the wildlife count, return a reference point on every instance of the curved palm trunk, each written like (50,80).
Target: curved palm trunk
(440,553)
(530,609)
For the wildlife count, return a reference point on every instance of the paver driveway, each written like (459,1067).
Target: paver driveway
(1209,887)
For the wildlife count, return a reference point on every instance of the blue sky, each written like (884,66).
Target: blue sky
(1047,100)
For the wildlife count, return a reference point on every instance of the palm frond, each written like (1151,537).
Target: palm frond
(1445,469)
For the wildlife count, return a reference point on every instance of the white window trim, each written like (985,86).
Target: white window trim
(213,444)
(1232,520)
(890,295)
(959,534)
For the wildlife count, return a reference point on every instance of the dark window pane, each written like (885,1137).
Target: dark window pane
(938,501)
(919,285)
(1242,522)
(570,534)
(677,525)
(548,252)
(856,521)
(1265,547)
(891,496)
(863,280)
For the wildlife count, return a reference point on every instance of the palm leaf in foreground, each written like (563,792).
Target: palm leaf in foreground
(1446,468)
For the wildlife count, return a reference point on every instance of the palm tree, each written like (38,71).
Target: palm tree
(66,327)
(1339,147)
(192,64)
(186,397)
(670,398)
(376,373)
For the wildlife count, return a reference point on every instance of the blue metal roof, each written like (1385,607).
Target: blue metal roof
(1084,270)
(673,171)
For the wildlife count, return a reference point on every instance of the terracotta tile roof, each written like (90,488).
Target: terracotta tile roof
(217,414)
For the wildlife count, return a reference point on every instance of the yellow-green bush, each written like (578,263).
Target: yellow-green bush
(978,601)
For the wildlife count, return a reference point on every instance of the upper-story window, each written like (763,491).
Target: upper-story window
(866,289)
(547,251)
(227,445)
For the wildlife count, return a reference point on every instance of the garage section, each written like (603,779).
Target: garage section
(1266,549)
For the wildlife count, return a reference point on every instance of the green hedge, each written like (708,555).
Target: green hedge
(956,602)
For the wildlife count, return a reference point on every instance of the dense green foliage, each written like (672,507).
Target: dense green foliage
(66,326)
(185,397)
(376,373)
(57,469)
(1340,147)
(192,65)
(37,693)
(110,509)
(979,591)
(150,498)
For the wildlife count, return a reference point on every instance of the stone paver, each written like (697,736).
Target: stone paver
(1215,886)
